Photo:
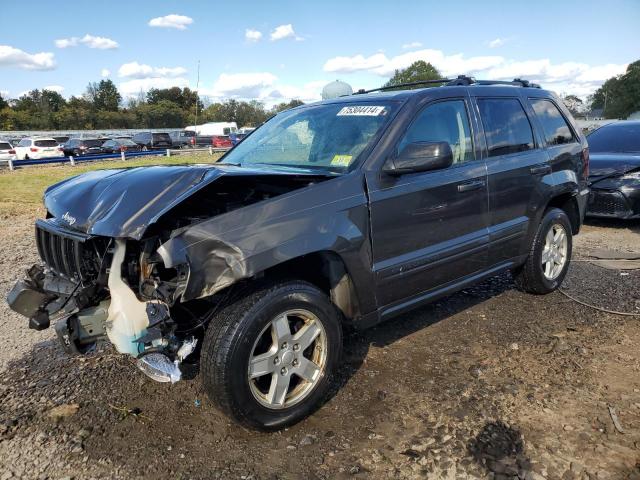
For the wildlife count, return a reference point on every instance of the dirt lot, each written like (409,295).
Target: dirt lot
(488,383)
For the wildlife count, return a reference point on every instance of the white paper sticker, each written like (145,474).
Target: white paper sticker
(361,111)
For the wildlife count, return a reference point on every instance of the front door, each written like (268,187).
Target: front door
(429,229)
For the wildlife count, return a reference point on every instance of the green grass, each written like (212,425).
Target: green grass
(21,190)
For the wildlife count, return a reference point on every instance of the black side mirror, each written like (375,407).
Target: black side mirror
(420,157)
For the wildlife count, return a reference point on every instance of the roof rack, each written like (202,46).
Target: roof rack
(448,82)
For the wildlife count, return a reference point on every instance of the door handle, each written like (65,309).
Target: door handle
(541,169)
(470,186)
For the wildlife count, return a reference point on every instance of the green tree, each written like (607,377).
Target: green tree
(3,103)
(415,72)
(36,109)
(245,114)
(619,96)
(104,95)
(281,107)
(185,97)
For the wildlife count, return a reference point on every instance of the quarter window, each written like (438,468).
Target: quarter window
(443,122)
(506,126)
(555,127)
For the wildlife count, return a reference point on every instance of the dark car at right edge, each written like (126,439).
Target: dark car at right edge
(615,171)
(344,213)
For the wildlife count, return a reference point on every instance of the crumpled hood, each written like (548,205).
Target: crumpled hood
(603,165)
(124,202)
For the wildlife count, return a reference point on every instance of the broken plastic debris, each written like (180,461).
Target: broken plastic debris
(187,348)
(159,367)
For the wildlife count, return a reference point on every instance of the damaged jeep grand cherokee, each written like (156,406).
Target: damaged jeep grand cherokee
(346,212)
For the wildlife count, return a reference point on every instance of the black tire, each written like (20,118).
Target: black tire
(229,342)
(26,157)
(530,277)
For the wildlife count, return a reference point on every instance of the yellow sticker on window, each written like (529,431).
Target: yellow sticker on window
(341,160)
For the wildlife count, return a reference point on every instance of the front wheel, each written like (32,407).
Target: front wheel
(268,359)
(549,256)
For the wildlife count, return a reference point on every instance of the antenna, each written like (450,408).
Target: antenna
(197,96)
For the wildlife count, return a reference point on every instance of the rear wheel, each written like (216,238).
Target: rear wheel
(267,359)
(549,256)
(26,157)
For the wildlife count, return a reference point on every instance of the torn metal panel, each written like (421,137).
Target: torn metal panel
(332,216)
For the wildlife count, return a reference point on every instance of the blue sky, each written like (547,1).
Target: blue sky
(569,46)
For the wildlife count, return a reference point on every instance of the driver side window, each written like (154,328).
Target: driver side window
(445,121)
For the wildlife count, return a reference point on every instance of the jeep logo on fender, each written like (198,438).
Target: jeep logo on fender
(68,218)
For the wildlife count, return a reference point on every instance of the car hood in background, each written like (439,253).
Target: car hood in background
(124,202)
(605,165)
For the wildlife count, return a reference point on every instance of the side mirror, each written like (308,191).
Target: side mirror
(420,157)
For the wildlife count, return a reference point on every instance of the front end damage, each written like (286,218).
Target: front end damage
(85,289)
(138,286)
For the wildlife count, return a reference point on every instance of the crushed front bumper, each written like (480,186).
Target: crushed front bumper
(622,203)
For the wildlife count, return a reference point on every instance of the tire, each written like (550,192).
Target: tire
(533,276)
(145,149)
(26,157)
(245,330)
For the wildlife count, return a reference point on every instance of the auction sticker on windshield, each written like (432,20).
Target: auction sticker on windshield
(361,111)
(341,160)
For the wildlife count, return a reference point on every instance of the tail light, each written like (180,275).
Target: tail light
(34,149)
(12,152)
(192,141)
(60,149)
(585,162)
(123,149)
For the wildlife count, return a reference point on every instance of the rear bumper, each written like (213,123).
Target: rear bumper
(623,204)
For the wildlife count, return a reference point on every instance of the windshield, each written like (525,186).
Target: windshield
(329,136)
(617,138)
(46,143)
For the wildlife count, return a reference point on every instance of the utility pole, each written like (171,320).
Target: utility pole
(197,96)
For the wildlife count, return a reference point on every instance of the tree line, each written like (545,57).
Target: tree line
(101,107)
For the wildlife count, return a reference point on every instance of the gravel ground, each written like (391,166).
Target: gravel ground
(488,383)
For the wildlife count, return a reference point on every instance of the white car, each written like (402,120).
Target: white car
(37,147)
(6,151)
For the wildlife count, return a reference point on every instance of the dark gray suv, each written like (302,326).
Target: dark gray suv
(345,212)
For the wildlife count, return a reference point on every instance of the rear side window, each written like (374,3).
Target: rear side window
(443,122)
(162,137)
(506,126)
(556,129)
(46,143)
(92,143)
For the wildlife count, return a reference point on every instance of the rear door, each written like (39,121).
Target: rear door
(516,167)
(429,229)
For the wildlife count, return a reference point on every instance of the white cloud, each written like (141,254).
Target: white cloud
(241,85)
(14,57)
(131,88)
(105,72)
(284,31)
(496,42)
(4,94)
(67,42)
(570,77)
(54,88)
(138,70)
(408,46)
(380,64)
(179,22)
(101,43)
(91,41)
(252,35)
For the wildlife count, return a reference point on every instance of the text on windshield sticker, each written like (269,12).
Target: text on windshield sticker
(361,111)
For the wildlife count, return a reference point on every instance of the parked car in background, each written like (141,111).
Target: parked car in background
(37,148)
(6,151)
(117,145)
(246,130)
(236,137)
(615,170)
(183,139)
(83,146)
(214,134)
(152,140)
(61,139)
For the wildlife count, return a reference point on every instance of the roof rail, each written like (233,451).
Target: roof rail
(459,80)
(402,85)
